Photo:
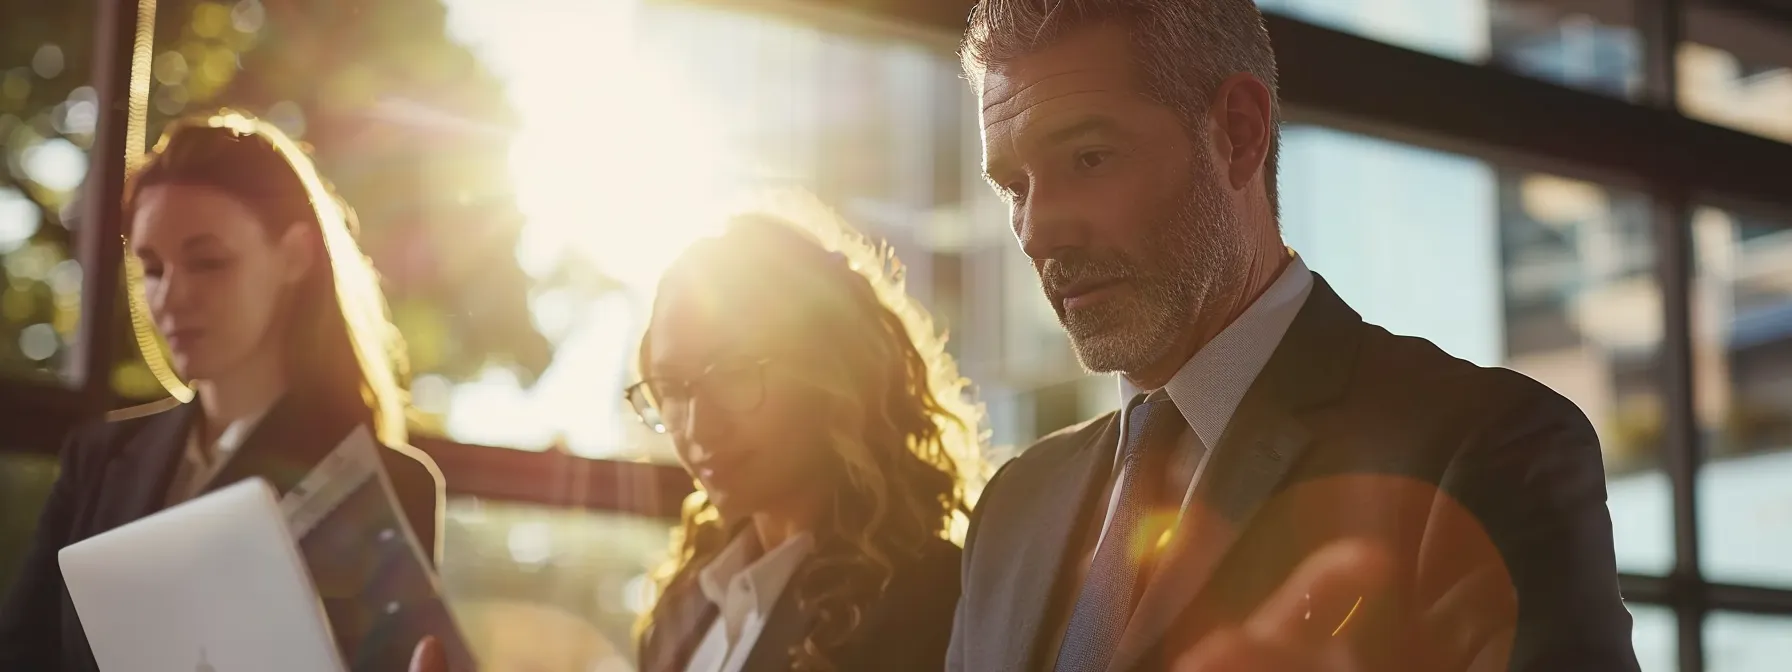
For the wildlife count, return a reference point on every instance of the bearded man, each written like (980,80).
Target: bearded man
(1286,487)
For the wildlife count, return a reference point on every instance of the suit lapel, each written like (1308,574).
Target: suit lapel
(669,646)
(288,442)
(1057,514)
(137,480)
(784,630)
(1253,461)
(1265,439)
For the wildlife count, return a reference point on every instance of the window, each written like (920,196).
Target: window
(550,590)
(521,286)
(410,128)
(1589,44)
(1736,70)
(1742,351)
(1653,636)
(1746,642)
(47,116)
(1549,276)
(724,102)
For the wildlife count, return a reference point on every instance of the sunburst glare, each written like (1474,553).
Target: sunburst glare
(617,165)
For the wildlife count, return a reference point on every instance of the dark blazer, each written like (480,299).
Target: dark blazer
(119,471)
(906,630)
(1478,480)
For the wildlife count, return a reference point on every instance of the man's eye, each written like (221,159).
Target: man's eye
(1091,159)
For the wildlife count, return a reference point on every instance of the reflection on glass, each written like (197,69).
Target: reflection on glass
(1591,46)
(1736,70)
(550,590)
(1746,642)
(1654,636)
(1742,356)
(1583,315)
(1548,276)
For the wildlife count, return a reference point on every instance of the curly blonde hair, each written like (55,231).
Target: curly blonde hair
(903,424)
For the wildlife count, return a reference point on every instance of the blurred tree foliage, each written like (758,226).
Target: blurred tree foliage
(44,47)
(409,126)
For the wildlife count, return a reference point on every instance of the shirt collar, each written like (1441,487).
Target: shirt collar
(764,576)
(229,440)
(1208,388)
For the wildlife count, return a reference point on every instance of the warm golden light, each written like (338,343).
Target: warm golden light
(618,164)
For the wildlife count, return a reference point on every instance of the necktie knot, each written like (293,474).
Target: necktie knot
(1151,422)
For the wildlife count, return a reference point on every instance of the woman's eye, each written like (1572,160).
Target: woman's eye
(210,264)
(152,272)
(669,391)
(1015,191)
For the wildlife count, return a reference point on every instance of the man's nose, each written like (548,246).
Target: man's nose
(1047,227)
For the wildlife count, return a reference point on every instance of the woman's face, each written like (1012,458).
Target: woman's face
(214,277)
(732,395)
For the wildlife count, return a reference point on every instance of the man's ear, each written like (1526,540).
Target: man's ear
(1242,118)
(301,249)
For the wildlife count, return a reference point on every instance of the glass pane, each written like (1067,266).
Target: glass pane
(1746,642)
(1654,635)
(1583,314)
(727,101)
(1589,44)
(47,116)
(25,482)
(1541,274)
(1736,70)
(412,131)
(550,590)
(1742,336)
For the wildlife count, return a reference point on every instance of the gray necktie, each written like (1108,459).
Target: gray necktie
(1106,600)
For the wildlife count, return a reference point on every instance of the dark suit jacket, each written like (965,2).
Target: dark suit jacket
(906,630)
(116,472)
(1479,481)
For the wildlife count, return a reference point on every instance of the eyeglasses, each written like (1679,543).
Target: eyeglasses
(734,386)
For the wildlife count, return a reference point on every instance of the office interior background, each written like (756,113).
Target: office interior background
(1597,193)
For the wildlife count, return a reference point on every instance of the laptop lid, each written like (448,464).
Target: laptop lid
(211,584)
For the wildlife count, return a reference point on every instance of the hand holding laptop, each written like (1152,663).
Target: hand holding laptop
(327,578)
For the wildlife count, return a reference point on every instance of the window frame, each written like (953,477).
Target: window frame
(1389,92)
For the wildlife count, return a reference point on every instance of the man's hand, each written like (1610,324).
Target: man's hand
(1284,634)
(428,657)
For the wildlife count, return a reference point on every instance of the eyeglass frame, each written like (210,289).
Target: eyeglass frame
(644,389)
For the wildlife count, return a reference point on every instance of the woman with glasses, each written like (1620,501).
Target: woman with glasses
(827,430)
(246,266)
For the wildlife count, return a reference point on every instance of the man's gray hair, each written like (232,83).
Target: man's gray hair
(1184,48)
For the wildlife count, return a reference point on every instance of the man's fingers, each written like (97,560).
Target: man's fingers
(428,657)
(1323,593)
(1228,650)
(1471,621)
(1233,650)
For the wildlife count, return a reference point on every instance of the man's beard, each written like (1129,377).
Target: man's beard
(1176,274)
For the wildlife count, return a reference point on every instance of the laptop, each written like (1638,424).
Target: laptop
(215,584)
